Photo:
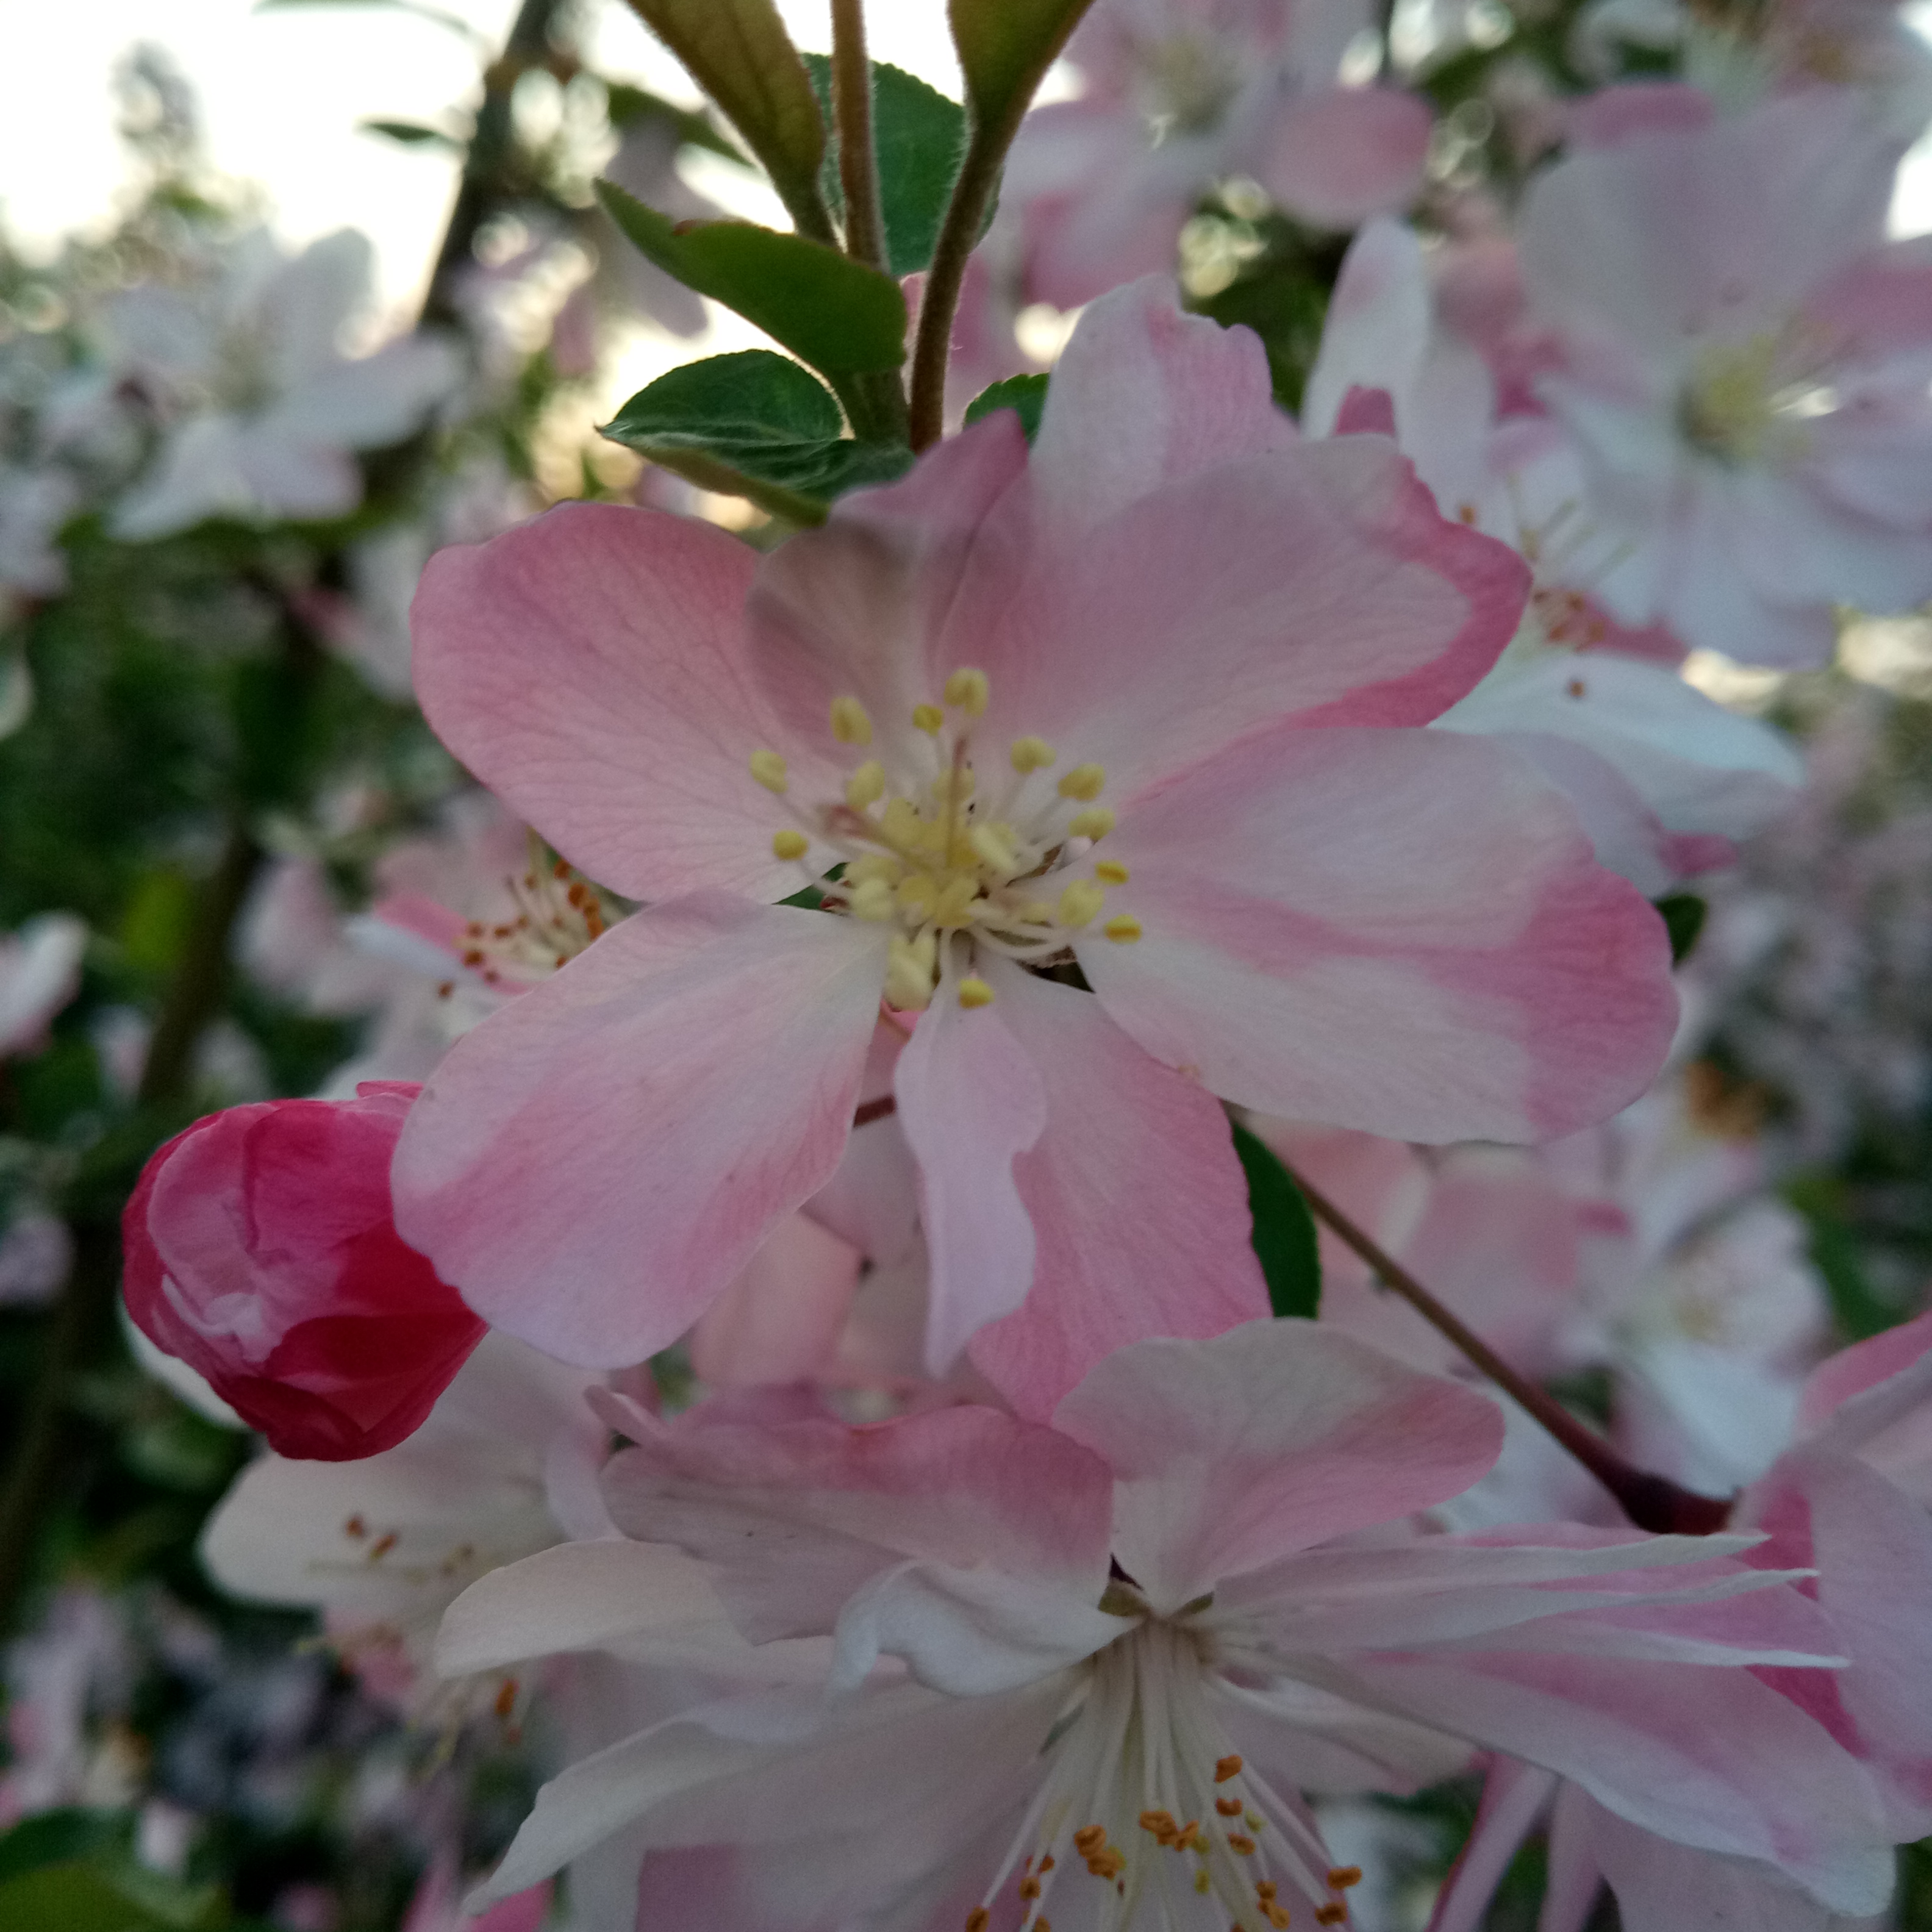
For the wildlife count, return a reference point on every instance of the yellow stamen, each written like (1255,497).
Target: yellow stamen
(851,723)
(1111,872)
(1034,912)
(909,971)
(1032,755)
(1081,902)
(975,992)
(1123,929)
(993,848)
(881,865)
(967,690)
(1096,822)
(866,786)
(927,718)
(954,906)
(918,895)
(790,845)
(872,902)
(768,769)
(1083,782)
(1203,1884)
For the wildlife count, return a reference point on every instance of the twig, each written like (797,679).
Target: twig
(852,111)
(958,236)
(1651,1501)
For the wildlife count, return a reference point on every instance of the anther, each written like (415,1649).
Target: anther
(1089,1839)
(993,848)
(1333,1913)
(1080,902)
(967,690)
(506,1697)
(1123,929)
(1227,1767)
(1111,872)
(978,1919)
(1228,1807)
(789,844)
(928,718)
(1029,1887)
(1032,755)
(866,786)
(768,769)
(1240,1844)
(1083,782)
(1160,1825)
(1096,822)
(1342,1876)
(975,992)
(1203,1884)
(851,723)
(873,901)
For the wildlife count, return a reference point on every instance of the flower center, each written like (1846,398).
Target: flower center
(1144,1791)
(558,914)
(1748,403)
(950,868)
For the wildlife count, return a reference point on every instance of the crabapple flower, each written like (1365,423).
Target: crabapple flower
(1179,96)
(40,972)
(1664,779)
(504,1464)
(1090,1670)
(263,406)
(1139,704)
(259,1249)
(1742,368)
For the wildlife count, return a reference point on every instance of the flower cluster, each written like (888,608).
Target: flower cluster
(1020,1203)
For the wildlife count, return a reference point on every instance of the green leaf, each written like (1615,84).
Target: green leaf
(1025,394)
(63,1836)
(920,138)
(410,134)
(1005,47)
(837,314)
(1684,919)
(75,1897)
(754,424)
(1284,1230)
(738,51)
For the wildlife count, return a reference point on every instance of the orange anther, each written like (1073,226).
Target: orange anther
(355,1526)
(1106,1862)
(1330,1915)
(381,1547)
(1089,1839)
(1227,1767)
(1342,1876)
(1029,1887)
(1241,1844)
(1228,1807)
(1161,1825)
(506,1697)
(1276,1916)
(1046,1865)
(1189,1836)
(978,1919)
(1266,1890)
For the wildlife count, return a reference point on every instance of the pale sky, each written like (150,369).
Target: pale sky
(282,88)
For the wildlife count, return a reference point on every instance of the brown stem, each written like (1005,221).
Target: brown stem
(852,111)
(1651,1501)
(958,235)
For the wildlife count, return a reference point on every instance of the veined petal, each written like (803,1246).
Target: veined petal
(1231,1453)
(594,1163)
(970,1103)
(1138,1205)
(589,667)
(1402,932)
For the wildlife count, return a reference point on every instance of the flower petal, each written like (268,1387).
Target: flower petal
(1231,1453)
(1137,1203)
(1404,932)
(594,1163)
(589,668)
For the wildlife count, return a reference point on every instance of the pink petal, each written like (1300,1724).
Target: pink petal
(1137,1202)
(1404,932)
(1316,583)
(1231,1453)
(1346,153)
(1144,397)
(971,1102)
(780,1319)
(1366,412)
(594,1162)
(1864,1365)
(1513,1794)
(1615,115)
(588,667)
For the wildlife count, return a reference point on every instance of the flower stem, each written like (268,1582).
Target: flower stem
(1651,1501)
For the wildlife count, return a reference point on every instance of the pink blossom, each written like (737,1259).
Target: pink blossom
(1179,95)
(1290,898)
(1743,371)
(40,972)
(1664,779)
(259,1249)
(1196,1587)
